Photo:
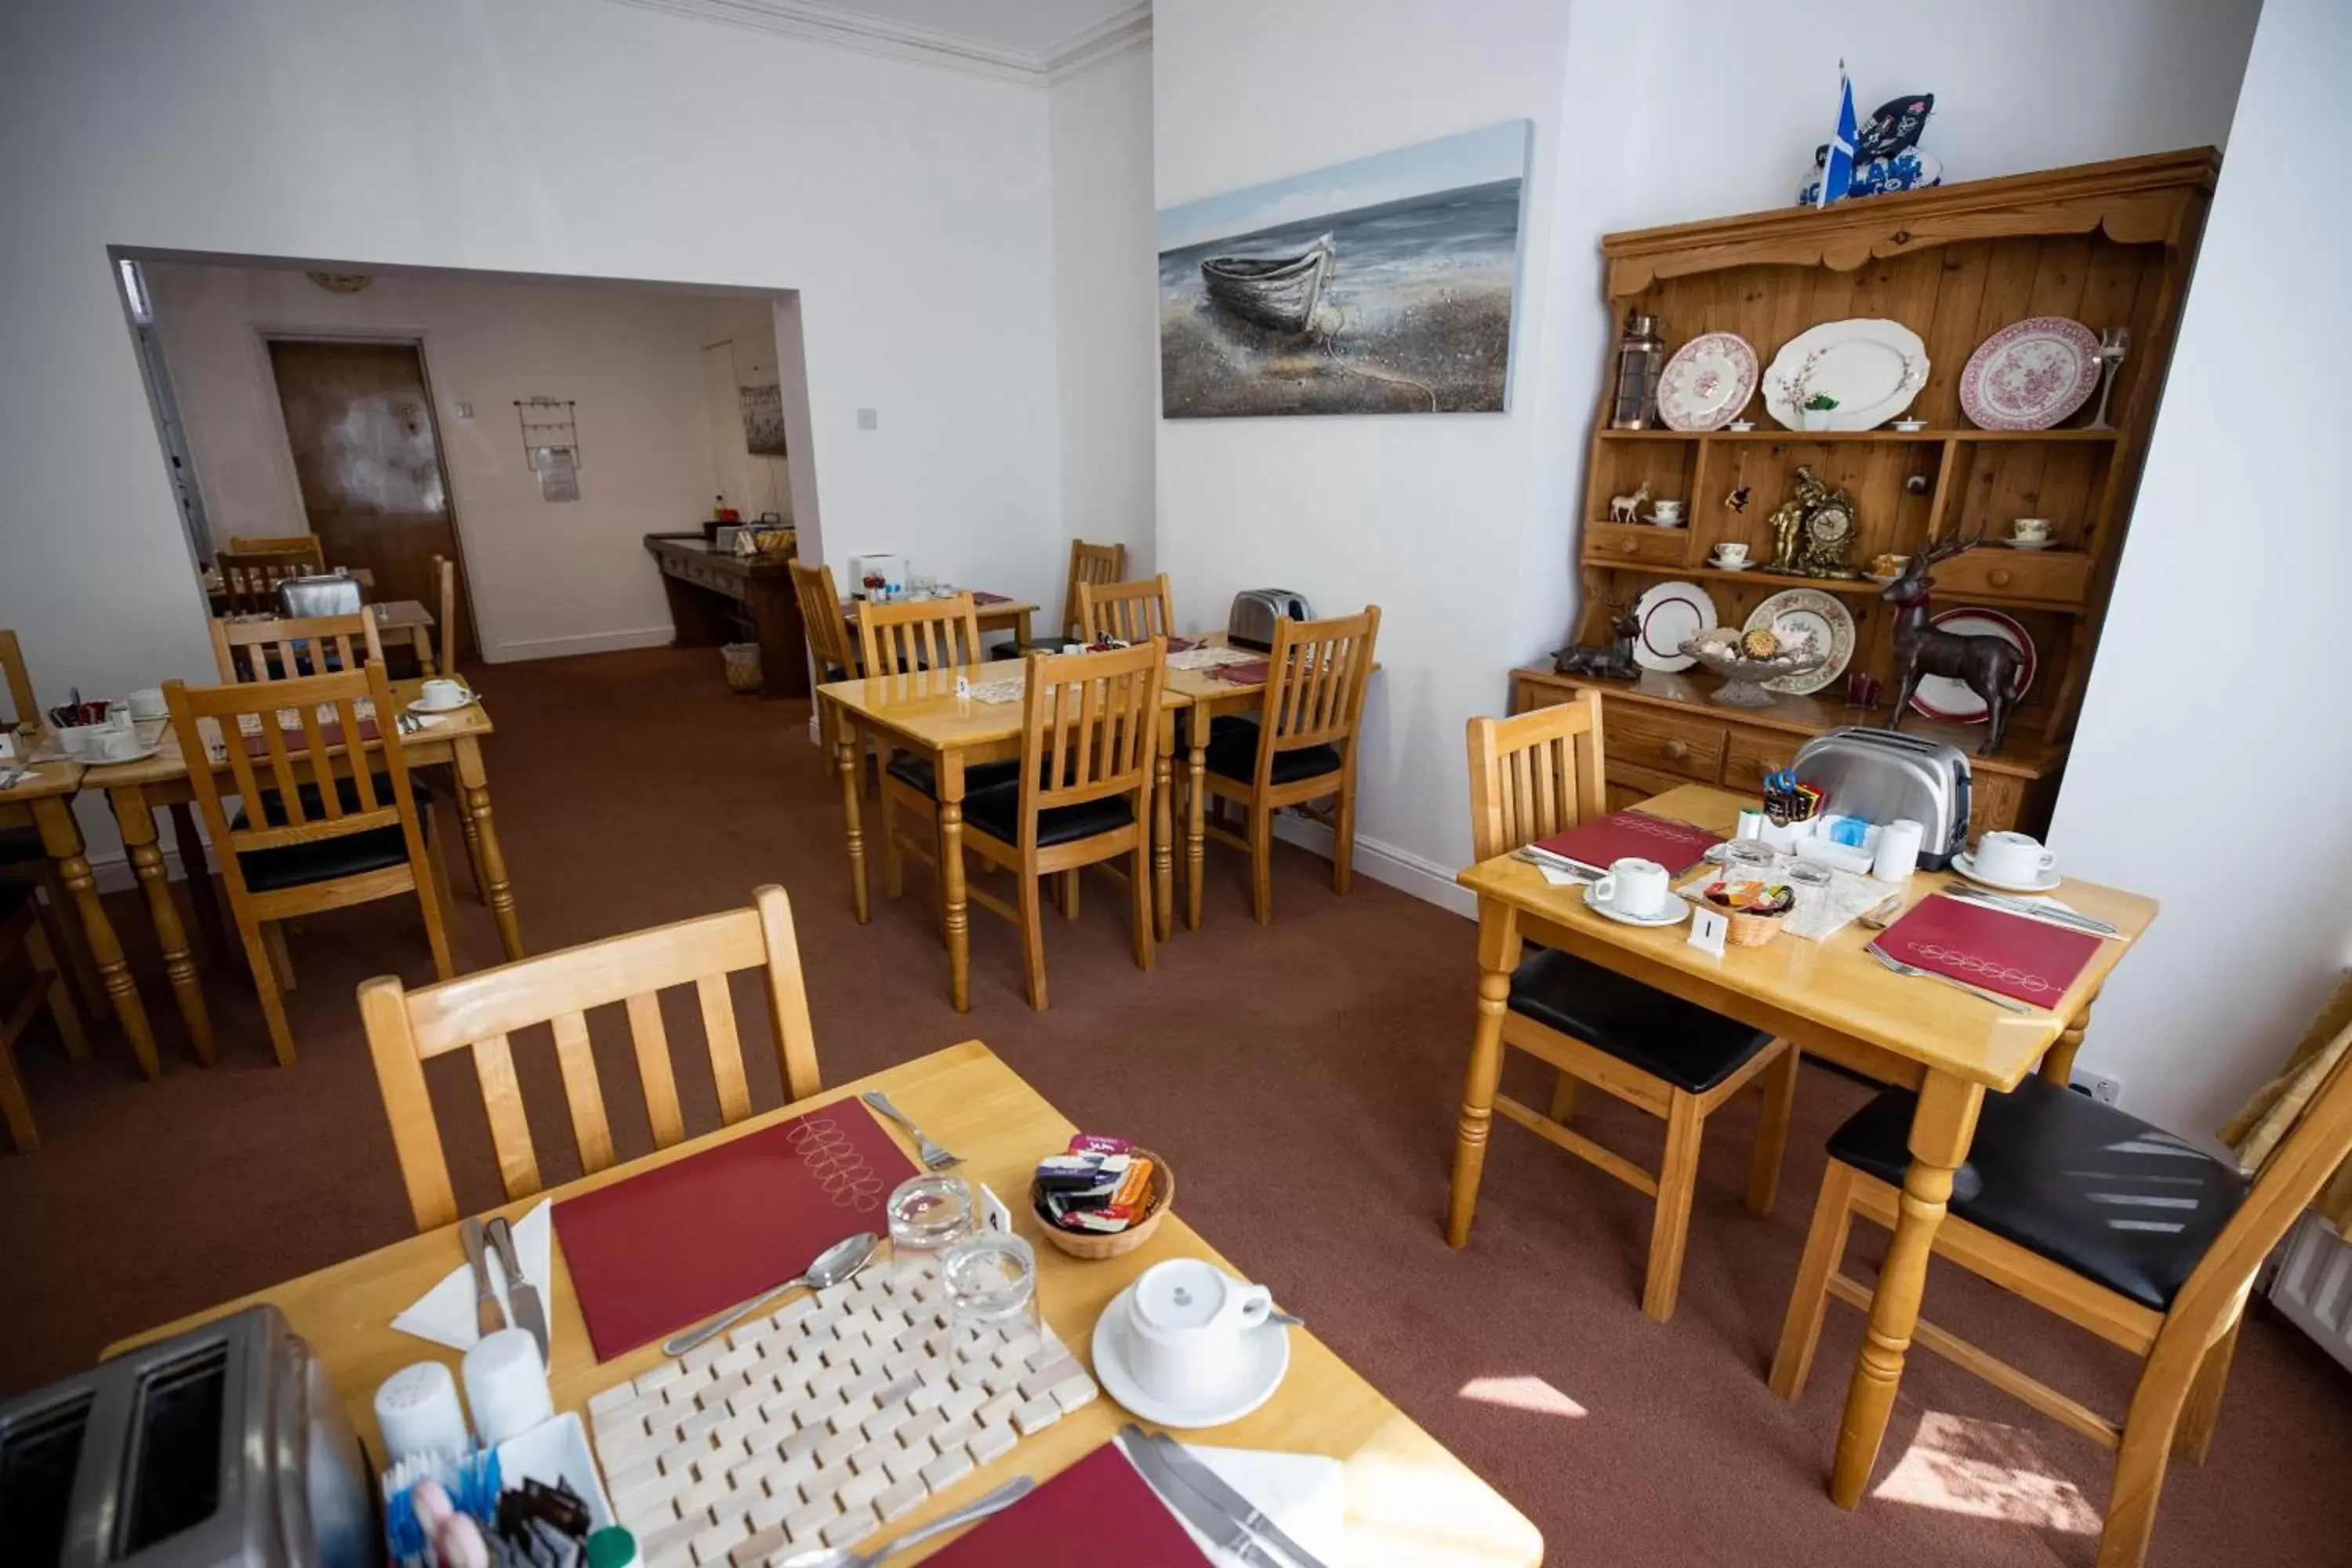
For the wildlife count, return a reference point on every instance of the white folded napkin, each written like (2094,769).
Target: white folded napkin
(445,1314)
(1304,1494)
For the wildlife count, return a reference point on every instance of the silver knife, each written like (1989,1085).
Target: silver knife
(488,1317)
(523,1296)
(1185,1480)
(2033,911)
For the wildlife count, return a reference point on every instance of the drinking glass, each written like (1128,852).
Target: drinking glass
(1809,883)
(927,1216)
(991,1283)
(1749,860)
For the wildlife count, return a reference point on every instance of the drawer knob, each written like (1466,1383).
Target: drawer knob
(1998,577)
(1629,546)
(1678,750)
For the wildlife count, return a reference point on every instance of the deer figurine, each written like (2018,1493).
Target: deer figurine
(1987,666)
(1614,662)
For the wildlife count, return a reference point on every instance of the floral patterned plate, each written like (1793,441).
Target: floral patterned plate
(2030,375)
(1708,382)
(1871,367)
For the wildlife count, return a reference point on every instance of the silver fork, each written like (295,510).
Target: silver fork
(933,1157)
(1995,997)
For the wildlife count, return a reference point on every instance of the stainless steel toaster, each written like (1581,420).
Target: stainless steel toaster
(222,1446)
(1881,774)
(1256,609)
(330,593)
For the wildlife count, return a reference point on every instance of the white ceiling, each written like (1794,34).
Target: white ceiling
(1032,26)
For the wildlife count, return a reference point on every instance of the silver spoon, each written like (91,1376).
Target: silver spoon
(834,1265)
(997,1501)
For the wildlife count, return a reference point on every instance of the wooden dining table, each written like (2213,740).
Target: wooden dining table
(134,791)
(1409,1501)
(999,612)
(406,622)
(1832,1001)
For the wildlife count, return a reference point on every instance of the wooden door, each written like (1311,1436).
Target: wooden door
(367,456)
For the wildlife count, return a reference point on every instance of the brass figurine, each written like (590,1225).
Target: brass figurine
(1812,530)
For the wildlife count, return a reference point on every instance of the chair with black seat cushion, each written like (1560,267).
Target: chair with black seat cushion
(1090,740)
(1129,612)
(279,648)
(1538,775)
(28,981)
(832,656)
(250,579)
(308,546)
(1302,747)
(2094,1215)
(330,814)
(23,857)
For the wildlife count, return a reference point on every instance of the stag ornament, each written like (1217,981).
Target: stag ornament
(1612,662)
(1987,666)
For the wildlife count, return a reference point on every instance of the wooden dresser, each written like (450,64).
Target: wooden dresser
(2108,244)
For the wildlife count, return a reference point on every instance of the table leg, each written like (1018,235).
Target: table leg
(203,898)
(1942,1127)
(1498,956)
(61,837)
(1197,795)
(846,761)
(136,818)
(951,882)
(473,838)
(1163,843)
(474,802)
(2058,1061)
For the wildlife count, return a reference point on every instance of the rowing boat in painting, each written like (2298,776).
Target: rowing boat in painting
(1279,291)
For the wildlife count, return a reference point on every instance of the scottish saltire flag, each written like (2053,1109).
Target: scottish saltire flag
(1837,174)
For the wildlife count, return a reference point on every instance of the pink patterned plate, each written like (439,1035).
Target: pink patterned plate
(1708,382)
(2030,375)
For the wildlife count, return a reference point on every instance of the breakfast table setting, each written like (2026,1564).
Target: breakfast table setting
(919,1306)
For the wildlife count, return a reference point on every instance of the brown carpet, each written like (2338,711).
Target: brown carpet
(1305,1078)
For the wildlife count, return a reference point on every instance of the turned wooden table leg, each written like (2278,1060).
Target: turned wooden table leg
(2058,1061)
(61,836)
(472,835)
(1197,794)
(1498,955)
(1942,1127)
(951,879)
(204,897)
(474,795)
(136,818)
(1163,842)
(847,762)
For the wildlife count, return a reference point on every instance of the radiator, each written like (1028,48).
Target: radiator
(2313,1286)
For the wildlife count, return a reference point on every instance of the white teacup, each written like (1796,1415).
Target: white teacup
(113,745)
(1634,887)
(1730,553)
(2031,529)
(147,703)
(440,694)
(1188,1318)
(1666,513)
(2005,857)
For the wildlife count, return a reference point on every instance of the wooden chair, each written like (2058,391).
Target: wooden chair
(2094,1215)
(1302,747)
(21,937)
(1089,737)
(23,858)
(1131,611)
(307,545)
(1530,777)
(830,650)
(480,1012)
(438,654)
(1088,563)
(249,582)
(282,648)
(332,830)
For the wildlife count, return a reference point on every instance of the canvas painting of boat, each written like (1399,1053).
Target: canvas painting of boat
(1380,286)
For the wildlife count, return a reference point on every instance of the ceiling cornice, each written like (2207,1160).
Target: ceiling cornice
(922,45)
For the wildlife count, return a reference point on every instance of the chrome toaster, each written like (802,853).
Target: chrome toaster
(329,594)
(1256,609)
(1882,774)
(222,1446)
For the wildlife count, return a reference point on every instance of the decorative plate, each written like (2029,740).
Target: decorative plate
(1941,697)
(2030,375)
(1670,615)
(1873,367)
(1708,382)
(1808,613)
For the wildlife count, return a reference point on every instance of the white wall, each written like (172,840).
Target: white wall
(738,334)
(1106,348)
(2229,677)
(547,579)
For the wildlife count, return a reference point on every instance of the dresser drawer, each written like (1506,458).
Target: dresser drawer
(1750,754)
(2059,575)
(1620,541)
(1685,747)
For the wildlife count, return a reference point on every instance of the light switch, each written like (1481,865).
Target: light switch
(868,419)
(465,411)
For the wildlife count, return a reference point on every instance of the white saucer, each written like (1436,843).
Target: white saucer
(1731,565)
(1266,1358)
(2030,543)
(1965,865)
(141,755)
(1673,914)
(419,706)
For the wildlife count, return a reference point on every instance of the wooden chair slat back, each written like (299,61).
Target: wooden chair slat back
(481,1013)
(1089,728)
(444,632)
(1316,673)
(26,709)
(828,631)
(918,634)
(1132,612)
(249,580)
(307,545)
(1534,775)
(1088,563)
(279,648)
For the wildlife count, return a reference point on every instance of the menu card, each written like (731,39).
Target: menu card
(2029,959)
(1634,834)
(685,1241)
(978,597)
(1099,1510)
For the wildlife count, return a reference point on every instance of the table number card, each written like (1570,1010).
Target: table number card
(1709,928)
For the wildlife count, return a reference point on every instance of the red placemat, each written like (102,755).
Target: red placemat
(1254,673)
(1099,1510)
(2032,961)
(1177,645)
(979,598)
(296,740)
(1635,834)
(665,1250)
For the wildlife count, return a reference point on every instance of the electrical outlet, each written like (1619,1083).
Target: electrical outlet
(2098,1086)
(465,411)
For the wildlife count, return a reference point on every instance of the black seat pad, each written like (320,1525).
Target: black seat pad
(996,811)
(1663,1035)
(325,859)
(21,846)
(911,769)
(2081,1183)
(1234,753)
